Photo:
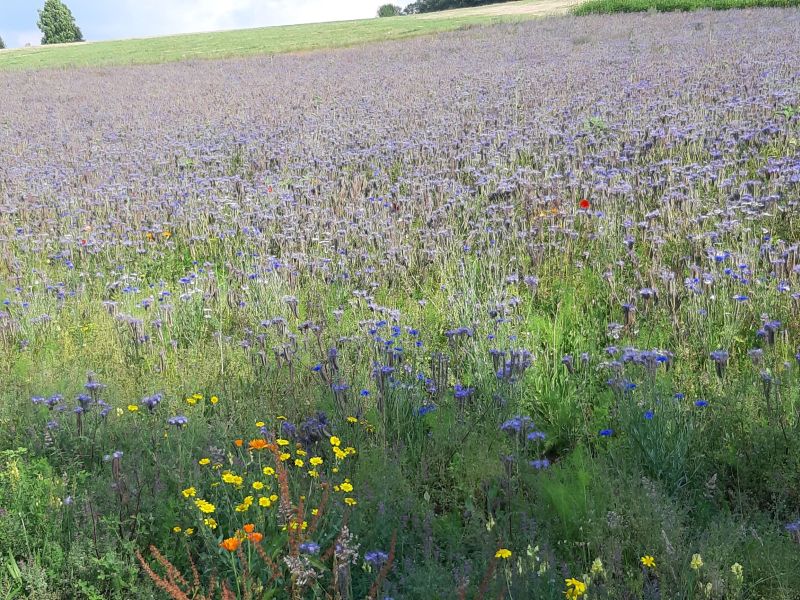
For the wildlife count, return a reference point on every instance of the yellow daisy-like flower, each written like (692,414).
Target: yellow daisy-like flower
(315,511)
(315,461)
(349,451)
(258,485)
(346,486)
(133,407)
(575,588)
(340,454)
(204,461)
(189,531)
(282,442)
(197,396)
(268,471)
(191,401)
(285,456)
(350,501)
(648,561)
(177,529)
(214,399)
(245,505)
(274,497)
(298,462)
(264,501)
(335,441)
(313,473)
(189,492)
(301,452)
(210,523)
(503,553)
(352,420)
(204,506)
(259,423)
(229,477)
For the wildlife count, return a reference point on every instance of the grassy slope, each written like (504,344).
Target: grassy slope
(267,40)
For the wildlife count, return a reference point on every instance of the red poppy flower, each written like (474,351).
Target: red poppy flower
(584,204)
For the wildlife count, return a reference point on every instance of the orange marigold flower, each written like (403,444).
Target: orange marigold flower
(238,443)
(259,444)
(249,528)
(230,544)
(255,537)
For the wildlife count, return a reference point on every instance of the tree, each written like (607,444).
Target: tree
(2,43)
(389,10)
(57,24)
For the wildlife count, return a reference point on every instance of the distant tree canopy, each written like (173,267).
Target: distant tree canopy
(389,10)
(2,43)
(57,24)
(423,6)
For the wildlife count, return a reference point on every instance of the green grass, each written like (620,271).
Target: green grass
(629,6)
(248,42)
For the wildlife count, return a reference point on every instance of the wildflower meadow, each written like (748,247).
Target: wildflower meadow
(511,312)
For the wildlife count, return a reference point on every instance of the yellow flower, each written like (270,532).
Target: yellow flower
(350,501)
(197,396)
(258,485)
(352,420)
(503,553)
(301,452)
(268,471)
(259,423)
(316,461)
(313,473)
(349,451)
(335,441)
(264,501)
(274,497)
(189,531)
(285,456)
(133,407)
(738,572)
(191,400)
(245,505)
(575,588)
(204,506)
(214,399)
(204,461)
(340,454)
(597,568)
(315,511)
(346,486)
(697,562)
(282,442)
(298,462)
(189,492)
(176,529)
(210,523)
(648,561)
(281,418)
(229,477)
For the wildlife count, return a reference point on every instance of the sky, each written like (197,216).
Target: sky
(115,19)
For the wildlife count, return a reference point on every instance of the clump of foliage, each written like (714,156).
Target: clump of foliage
(389,10)
(425,6)
(57,24)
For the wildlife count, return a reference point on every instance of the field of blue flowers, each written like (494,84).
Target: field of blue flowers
(512,312)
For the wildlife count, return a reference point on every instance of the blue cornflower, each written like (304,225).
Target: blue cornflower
(424,410)
(700,403)
(606,432)
(178,421)
(364,393)
(542,463)
(536,435)
(649,415)
(317,368)
(376,557)
(309,548)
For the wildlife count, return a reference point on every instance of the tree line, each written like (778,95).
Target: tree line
(424,6)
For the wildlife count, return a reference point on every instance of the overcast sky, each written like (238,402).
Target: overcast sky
(113,19)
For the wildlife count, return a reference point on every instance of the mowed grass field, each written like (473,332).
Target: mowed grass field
(271,40)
